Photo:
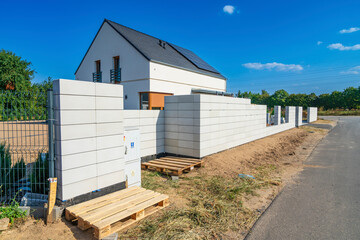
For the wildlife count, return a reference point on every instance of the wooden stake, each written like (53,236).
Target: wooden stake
(51,200)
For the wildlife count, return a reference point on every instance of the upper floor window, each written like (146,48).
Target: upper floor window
(97,76)
(116,61)
(115,73)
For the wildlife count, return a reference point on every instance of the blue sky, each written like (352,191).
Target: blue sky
(293,45)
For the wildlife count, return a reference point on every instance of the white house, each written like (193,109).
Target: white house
(148,68)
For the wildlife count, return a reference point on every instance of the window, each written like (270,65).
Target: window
(144,101)
(115,73)
(153,100)
(97,74)
(98,66)
(116,61)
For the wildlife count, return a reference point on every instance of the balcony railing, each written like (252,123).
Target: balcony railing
(97,77)
(115,75)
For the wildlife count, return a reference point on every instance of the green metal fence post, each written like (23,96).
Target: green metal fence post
(50,109)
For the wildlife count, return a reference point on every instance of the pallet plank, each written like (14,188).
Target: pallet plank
(98,205)
(175,165)
(174,162)
(103,213)
(161,166)
(114,218)
(182,160)
(100,199)
(169,164)
(125,208)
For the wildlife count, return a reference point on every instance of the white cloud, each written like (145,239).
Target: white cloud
(339,46)
(350,30)
(353,70)
(229,9)
(319,42)
(281,67)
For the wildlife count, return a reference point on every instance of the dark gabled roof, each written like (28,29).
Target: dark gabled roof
(170,54)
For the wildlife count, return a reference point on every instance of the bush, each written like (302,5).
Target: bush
(40,174)
(9,173)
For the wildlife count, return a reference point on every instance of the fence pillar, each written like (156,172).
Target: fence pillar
(298,116)
(50,108)
(277,115)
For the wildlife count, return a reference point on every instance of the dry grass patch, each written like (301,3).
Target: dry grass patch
(209,208)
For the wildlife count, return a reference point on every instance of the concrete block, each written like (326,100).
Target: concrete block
(171,121)
(171,135)
(185,121)
(111,179)
(185,98)
(110,166)
(171,128)
(109,103)
(68,132)
(74,102)
(186,129)
(148,136)
(171,106)
(170,99)
(78,188)
(76,160)
(109,154)
(109,141)
(150,113)
(68,147)
(106,129)
(277,115)
(108,116)
(185,106)
(171,113)
(78,174)
(67,117)
(186,113)
(72,87)
(131,122)
(171,149)
(109,90)
(133,114)
(186,152)
(147,121)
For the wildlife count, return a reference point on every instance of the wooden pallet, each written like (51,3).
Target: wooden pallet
(172,165)
(115,211)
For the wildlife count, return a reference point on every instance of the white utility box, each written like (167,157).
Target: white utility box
(132,156)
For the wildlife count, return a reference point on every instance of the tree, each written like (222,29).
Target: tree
(15,73)
(279,98)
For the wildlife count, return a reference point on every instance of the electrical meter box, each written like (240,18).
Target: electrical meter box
(132,156)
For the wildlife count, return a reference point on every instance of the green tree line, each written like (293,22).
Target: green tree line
(347,99)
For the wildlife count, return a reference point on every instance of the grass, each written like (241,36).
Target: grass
(339,112)
(12,211)
(213,205)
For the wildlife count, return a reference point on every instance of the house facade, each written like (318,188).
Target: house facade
(148,68)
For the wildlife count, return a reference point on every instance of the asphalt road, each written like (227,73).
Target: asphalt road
(324,201)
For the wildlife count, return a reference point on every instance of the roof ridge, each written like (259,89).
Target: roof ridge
(135,30)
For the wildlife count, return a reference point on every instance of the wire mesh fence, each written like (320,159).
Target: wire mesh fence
(23,146)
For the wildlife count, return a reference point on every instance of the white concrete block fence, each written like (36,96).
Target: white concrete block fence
(299,116)
(311,114)
(89,133)
(277,115)
(90,122)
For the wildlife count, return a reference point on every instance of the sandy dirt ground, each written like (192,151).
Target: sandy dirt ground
(287,151)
